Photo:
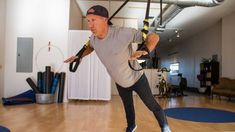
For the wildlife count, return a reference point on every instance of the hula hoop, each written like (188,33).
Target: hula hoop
(46,56)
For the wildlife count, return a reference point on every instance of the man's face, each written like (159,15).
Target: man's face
(96,24)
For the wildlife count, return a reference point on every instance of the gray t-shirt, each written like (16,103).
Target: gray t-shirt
(115,50)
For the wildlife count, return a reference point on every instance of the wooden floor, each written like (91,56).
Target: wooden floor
(101,116)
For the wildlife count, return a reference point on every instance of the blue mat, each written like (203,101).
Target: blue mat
(201,114)
(4,129)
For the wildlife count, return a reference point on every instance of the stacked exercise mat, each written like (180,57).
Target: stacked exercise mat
(48,83)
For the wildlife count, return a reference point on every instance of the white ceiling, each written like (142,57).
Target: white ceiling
(189,21)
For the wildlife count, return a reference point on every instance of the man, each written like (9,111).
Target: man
(113,47)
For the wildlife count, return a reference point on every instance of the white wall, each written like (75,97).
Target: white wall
(75,17)
(228,46)
(190,52)
(44,21)
(2,36)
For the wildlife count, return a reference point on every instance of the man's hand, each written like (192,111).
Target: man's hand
(70,59)
(138,54)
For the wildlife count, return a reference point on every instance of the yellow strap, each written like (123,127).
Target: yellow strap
(146,27)
(146,20)
(87,44)
(144,36)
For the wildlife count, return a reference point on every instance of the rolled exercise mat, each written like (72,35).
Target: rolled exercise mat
(55,83)
(61,87)
(23,98)
(32,85)
(47,80)
(40,81)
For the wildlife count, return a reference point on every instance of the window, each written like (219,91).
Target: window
(174,68)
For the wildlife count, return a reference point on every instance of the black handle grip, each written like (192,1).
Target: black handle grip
(74,65)
(143,47)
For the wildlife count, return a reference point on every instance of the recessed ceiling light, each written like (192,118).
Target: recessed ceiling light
(177,35)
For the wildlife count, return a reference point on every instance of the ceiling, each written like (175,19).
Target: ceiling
(189,21)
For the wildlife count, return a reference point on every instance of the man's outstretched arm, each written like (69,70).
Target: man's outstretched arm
(85,53)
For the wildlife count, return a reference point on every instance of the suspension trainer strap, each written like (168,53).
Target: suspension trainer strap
(73,67)
(146,22)
(161,12)
(119,9)
(145,31)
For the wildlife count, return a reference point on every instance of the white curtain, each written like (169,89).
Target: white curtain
(91,80)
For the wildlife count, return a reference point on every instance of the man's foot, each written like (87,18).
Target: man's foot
(131,128)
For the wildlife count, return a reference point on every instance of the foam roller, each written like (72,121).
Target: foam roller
(47,80)
(40,81)
(32,85)
(61,87)
(55,83)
